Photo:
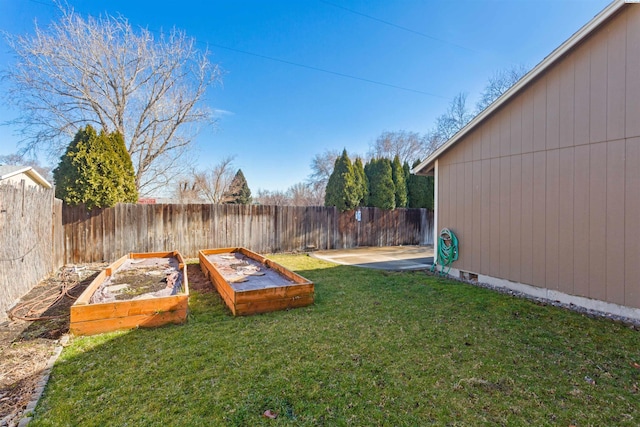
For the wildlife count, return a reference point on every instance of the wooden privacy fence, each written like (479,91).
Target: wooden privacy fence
(106,234)
(31,239)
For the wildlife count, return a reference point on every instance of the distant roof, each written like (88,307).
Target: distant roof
(428,164)
(7,171)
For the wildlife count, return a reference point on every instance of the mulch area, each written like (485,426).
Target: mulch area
(27,345)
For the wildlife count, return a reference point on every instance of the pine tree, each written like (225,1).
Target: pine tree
(420,190)
(95,170)
(397,173)
(342,190)
(382,193)
(407,174)
(361,182)
(238,192)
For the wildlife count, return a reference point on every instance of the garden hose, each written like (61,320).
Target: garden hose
(447,251)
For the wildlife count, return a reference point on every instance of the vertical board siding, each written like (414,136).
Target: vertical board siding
(632,82)
(581,100)
(476,220)
(616,77)
(539,220)
(615,235)
(526,223)
(581,216)
(505,211)
(552,231)
(540,115)
(460,193)
(598,91)
(515,128)
(469,211)
(515,220)
(565,220)
(597,220)
(632,223)
(106,234)
(567,104)
(485,216)
(555,175)
(494,205)
(553,111)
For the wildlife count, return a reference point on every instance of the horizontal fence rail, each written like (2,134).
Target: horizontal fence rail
(106,234)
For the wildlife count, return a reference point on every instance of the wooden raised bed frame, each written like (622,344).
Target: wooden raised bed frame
(247,302)
(90,319)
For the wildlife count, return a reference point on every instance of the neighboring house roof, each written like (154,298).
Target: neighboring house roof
(428,164)
(7,171)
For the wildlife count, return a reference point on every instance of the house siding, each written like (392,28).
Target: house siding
(546,190)
(16,179)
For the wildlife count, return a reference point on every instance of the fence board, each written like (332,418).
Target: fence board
(31,240)
(106,234)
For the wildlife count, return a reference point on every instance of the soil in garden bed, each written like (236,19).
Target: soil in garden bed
(140,279)
(246,274)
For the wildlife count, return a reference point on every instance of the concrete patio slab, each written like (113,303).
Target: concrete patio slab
(393,258)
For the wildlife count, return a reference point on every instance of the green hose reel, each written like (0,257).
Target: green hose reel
(447,251)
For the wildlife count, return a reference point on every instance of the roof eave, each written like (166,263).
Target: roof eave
(33,174)
(549,60)
(38,178)
(14,172)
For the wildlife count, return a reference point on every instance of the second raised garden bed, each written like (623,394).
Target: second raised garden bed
(250,283)
(138,290)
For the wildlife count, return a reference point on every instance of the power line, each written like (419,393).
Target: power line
(297,64)
(400,27)
(323,70)
(43,3)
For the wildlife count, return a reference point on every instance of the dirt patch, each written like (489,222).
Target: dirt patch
(26,345)
(197,280)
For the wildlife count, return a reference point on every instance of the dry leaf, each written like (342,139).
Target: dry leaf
(270,414)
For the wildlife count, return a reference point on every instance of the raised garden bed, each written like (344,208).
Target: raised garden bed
(138,290)
(250,283)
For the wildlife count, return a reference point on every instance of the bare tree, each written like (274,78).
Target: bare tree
(449,123)
(272,198)
(408,146)
(213,183)
(304,194)
(103,72)
(499,83)
(187,191)
(206,186)
(300,194)
(321,168)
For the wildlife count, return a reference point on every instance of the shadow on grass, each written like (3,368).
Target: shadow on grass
(375,348)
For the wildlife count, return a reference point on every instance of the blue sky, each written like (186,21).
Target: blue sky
(274,116)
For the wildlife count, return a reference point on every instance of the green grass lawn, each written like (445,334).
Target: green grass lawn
(376,348)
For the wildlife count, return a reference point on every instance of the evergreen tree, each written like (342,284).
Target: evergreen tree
(407,174)
(420,190)
(342,190)
(95,170)
(238,192)
(397,173)
(382,193)
(361,182)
